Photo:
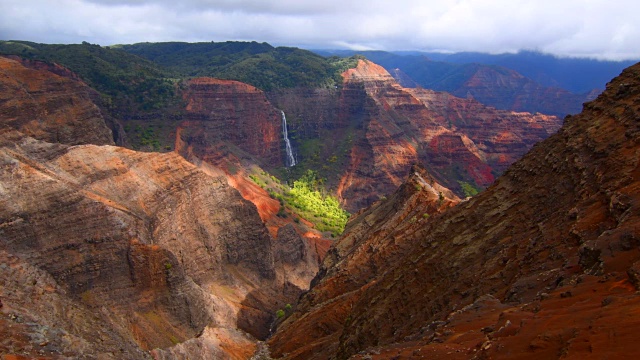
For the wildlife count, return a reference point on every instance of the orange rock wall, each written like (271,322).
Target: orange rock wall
(47,106)
(542,264)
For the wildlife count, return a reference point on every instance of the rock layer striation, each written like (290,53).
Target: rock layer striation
(50,103)
(544,263)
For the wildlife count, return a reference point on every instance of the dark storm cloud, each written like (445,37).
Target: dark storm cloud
(595,28)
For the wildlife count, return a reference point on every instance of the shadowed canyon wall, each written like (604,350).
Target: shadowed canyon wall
(542,264)
(149,252)
(108,252)
(374,130)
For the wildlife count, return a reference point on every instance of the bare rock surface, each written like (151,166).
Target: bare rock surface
(543,264)
(111,252)
(49,106)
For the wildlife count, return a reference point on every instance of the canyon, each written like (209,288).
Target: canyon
(109,252)
(113,253)
(358,129)
(542,264)
(525,81)
(374,129)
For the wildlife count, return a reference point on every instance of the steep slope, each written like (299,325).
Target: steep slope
(47,106)
(354,261)
(130,86)
(360,135)
(460,141)
(501,137)
(495,83)
(107,250)
(542,264)
(226,112)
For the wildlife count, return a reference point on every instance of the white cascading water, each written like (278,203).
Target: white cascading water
(291,160)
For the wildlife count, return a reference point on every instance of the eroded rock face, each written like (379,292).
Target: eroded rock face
(110,252)
(370,245)
(226,111)
(457,139)
(47,106)
(542,264)
(371,130)
(497,138)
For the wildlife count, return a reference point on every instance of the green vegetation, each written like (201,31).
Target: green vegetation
(282,313)
(310,199)
(326,152)
(468,189)
(139,84)
(307,199)
(126,82)
(196,59)
(258,64)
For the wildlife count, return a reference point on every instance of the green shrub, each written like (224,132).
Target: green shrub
(308,196)
(468,189)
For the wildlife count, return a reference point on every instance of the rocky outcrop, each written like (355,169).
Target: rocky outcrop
(458,140)
(108,252)
(225,116)
(542,264)
(49,103)
(355,261)
(363,137)
(499,137)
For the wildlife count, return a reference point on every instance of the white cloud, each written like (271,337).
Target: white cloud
(596,28)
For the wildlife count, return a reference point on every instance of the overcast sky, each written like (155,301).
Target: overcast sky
(593,28)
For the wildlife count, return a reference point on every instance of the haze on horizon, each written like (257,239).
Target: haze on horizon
(577,28)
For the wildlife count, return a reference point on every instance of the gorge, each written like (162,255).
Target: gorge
(166,229)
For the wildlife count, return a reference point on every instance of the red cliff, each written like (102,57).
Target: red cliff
(104,250)
(223,114)
(543,264)
(49,103)
(458,140)
(107,250)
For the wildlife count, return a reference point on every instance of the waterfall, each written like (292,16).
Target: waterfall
(291,160)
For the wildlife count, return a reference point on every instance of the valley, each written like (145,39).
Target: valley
(177,200)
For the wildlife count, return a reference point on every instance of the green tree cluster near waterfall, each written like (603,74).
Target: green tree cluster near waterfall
(309,198)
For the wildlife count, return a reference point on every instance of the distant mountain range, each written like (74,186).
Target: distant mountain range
(526,81)
(577,75)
